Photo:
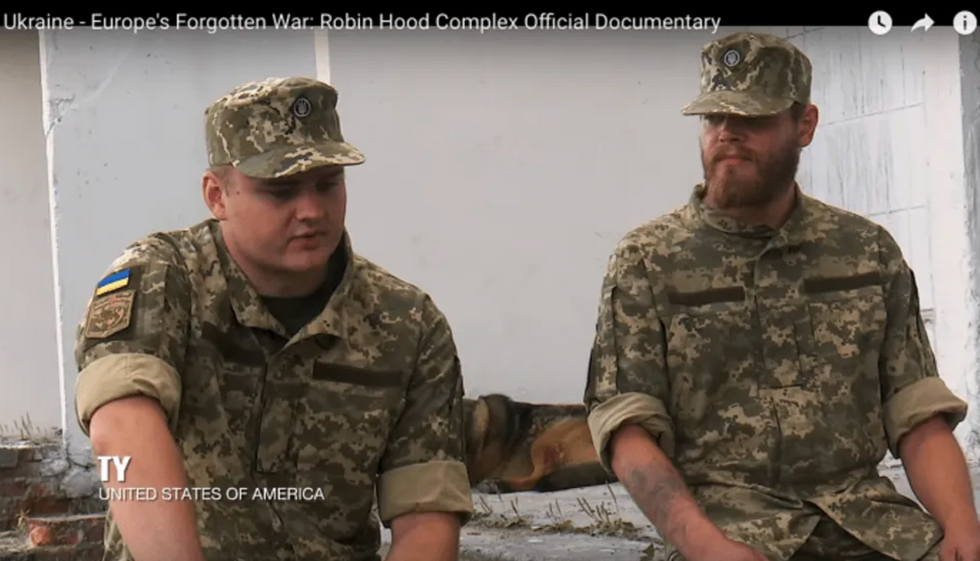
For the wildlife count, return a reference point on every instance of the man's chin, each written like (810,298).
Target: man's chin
(305,260)
(734,196)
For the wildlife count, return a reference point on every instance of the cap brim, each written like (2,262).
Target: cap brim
(297,159)
(748,104)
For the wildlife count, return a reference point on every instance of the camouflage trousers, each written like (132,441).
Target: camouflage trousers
(830,541)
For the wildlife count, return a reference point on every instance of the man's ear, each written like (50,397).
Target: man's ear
(808,124)
(214,190)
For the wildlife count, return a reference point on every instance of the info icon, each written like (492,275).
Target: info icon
(965,23)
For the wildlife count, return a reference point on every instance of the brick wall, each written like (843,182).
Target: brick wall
(49,507)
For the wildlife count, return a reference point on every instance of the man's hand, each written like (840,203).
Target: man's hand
(961,541)
(725,549)
(940,479)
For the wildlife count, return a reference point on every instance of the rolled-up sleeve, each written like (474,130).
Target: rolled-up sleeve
(423,468)
(131,339)
(627,380)
(912,390)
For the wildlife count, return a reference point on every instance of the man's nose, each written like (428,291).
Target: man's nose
(309,204)
(730,129)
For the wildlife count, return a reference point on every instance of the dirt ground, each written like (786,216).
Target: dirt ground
(593,524)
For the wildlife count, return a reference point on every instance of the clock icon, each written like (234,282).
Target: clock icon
(880,22)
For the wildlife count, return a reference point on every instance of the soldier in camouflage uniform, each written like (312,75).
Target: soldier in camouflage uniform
(256,350)
(759,351)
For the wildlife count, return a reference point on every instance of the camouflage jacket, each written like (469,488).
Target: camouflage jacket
(364,402)
(775,368)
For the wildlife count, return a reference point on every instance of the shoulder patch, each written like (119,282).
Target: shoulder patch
(110,315)
(115,281)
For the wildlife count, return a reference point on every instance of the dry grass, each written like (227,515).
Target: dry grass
(25,430)
(604,522)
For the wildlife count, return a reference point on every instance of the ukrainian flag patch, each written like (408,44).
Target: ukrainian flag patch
(113,282)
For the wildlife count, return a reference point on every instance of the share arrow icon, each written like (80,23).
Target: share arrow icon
(925,23)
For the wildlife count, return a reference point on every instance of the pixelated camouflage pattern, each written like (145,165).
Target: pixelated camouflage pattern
(751,74)
(777,355)
(370,386)
(277,127)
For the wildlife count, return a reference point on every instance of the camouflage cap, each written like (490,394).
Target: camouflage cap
(277,127)
(751,74)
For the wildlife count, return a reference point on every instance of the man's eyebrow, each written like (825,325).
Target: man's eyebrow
(280,183)
(292,181)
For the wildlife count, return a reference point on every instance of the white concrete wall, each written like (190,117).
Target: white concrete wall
(970,93)
(890,147)
(539,150)
(502,169)
(29,383)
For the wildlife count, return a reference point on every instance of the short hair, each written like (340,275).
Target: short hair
(221,171)
(797,110)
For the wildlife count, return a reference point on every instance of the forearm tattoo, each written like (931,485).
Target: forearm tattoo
(658,490)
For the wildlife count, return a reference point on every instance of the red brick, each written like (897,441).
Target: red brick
(47,506)
(65,530)
(8,521)
(10,511)
(24,453)
(29,453)
(46,487)
(30,469)
(39,535)
(23,487)
(9,504)
(14,487)
(28,498)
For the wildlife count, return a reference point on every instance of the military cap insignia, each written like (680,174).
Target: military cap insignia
(110,314)
(731,58)
(302,107)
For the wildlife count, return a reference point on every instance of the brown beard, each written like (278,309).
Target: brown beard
(774,174)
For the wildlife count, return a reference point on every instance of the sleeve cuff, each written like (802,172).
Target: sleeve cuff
(436,486)
(117,376)
(630,408)
(919,402)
